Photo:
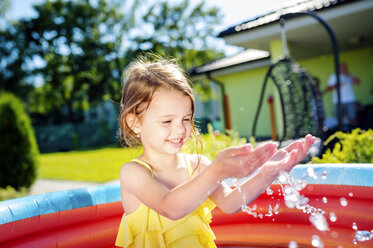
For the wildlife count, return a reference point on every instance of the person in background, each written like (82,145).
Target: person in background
(348,100)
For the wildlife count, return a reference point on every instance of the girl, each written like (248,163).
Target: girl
(168,196)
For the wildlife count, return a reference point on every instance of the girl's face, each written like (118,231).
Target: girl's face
(166,124)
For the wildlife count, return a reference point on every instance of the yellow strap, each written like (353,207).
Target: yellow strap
(144,164)
(189,166)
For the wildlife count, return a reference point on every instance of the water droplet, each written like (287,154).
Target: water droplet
(332,217)
(363,235)
(324,199)
(354,226)
(324,175)
(343,202)
(270,213)
(319,221)
(299,185)
(275,210)
(291,196)
(293,244)
(282,178)
(316,242)
(350,194)
(310,172)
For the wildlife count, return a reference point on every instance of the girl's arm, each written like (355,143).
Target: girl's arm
(230,200)
(137,181)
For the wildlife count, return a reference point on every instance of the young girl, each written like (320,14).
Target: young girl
(167,196)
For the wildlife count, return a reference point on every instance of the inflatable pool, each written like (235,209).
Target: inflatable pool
(89,217)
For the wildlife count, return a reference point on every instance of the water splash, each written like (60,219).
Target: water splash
(319,221)
(290,188)
(293,199)
(363,236)
(272,211)
(251,210)
(311,173)
(269,191)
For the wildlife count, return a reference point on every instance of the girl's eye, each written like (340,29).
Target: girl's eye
(187,119)
(166,122)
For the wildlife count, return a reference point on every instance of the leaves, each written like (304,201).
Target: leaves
(213,142)
(354,147)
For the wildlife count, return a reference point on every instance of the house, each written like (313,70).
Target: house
(240,77)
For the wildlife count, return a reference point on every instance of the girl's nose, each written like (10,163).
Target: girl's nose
(180,128)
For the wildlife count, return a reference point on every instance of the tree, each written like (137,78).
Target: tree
(75,41)
(75,50)
(4,6)
(13,73)
(181,31)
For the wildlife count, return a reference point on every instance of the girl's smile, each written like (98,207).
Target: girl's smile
(166,124)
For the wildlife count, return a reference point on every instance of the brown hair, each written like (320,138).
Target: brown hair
(141,79)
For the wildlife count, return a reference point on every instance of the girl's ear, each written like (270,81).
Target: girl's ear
(134,123)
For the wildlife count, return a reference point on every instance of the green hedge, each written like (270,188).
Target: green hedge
(18,148)
(354,147)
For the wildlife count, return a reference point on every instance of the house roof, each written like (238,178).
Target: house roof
(305,36)
(244,57)
(295,6)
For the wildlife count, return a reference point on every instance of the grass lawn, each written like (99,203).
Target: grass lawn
(99,165)
(102,165)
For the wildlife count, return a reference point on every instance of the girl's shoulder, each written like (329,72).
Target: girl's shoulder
(133,169)
(197,160)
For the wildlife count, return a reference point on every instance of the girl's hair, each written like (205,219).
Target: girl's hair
(141,79)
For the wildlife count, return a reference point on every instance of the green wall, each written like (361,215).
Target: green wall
(243,89)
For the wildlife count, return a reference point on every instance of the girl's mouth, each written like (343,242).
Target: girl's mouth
(175,141)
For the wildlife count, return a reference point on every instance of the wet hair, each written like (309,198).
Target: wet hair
(141,79)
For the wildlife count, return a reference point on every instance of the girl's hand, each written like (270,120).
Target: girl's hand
(243,160)
(286,158)
(281,161)
(301,147)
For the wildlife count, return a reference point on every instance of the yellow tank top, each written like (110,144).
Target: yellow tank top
(146,228)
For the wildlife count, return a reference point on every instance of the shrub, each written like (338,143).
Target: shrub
(10,193)
(213,142)
(354,147)
(18,148)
